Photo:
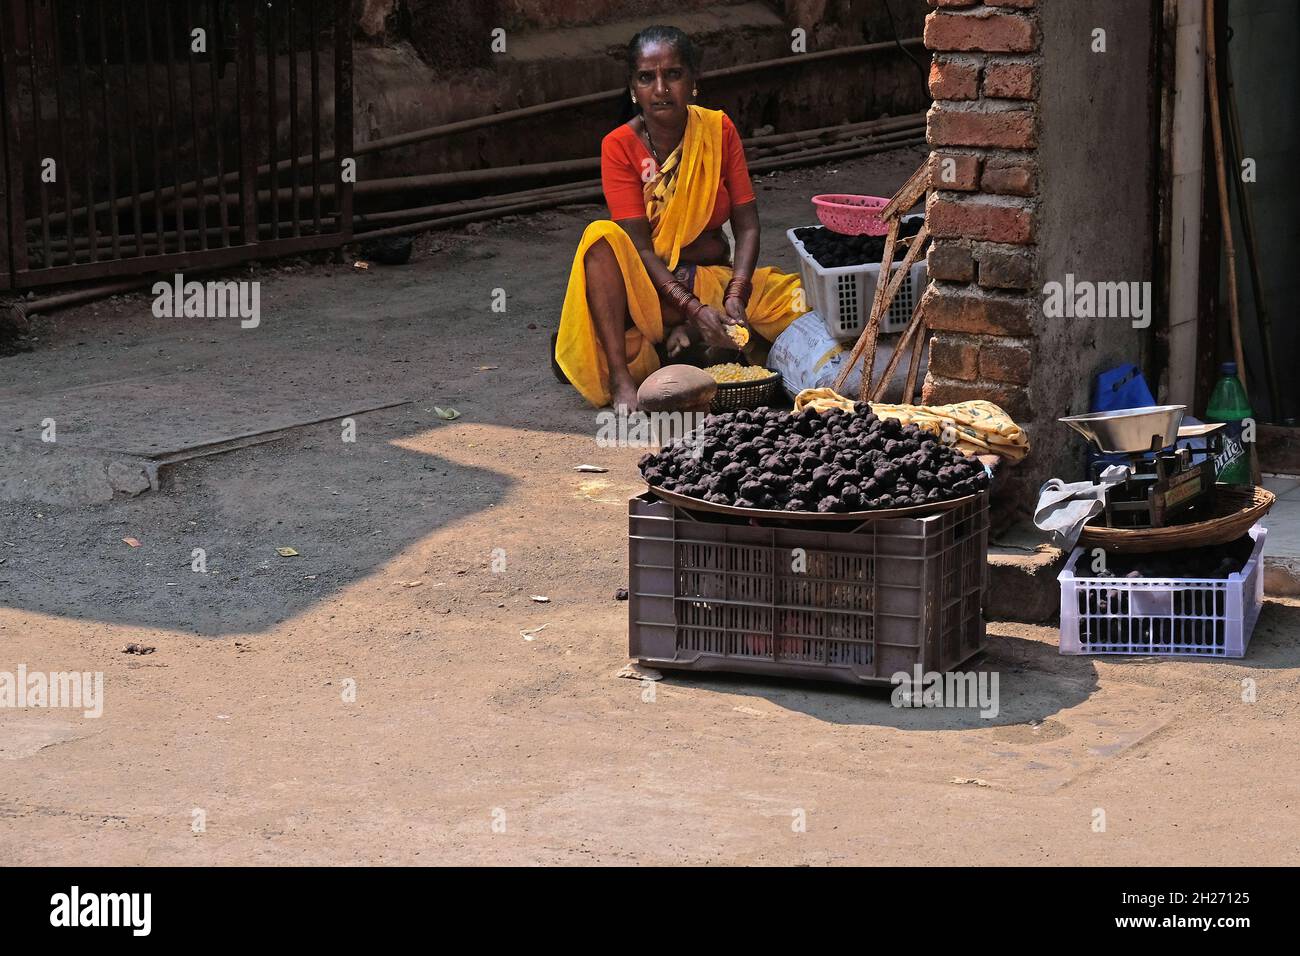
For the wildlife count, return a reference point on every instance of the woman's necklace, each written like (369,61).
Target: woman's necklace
(650,140)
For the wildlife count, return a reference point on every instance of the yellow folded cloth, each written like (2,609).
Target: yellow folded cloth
(978,427)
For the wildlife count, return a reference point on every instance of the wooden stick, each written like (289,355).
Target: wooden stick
(905,198)
(868,336)
(909,194)
(913,370)
(903,274)
(1225,211)
(903,341)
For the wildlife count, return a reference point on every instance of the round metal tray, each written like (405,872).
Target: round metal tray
(767,514)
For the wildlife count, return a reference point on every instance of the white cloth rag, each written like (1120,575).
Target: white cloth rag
(1063,508)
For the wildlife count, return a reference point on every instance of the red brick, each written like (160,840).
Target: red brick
(1005,362)
(954,81)
(953,3)
(1012,399)
(1004,270)
(956,171)
(954,358)
(1009,129)
(986,32)
(962,219)
(1010,177)
(950,261)
(1018,4)
(1012,81)
(952,310)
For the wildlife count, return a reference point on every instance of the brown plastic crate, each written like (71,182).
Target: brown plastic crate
(709,592)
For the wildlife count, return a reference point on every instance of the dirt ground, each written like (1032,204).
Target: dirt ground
(466,742)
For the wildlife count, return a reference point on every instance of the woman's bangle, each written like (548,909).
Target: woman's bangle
(681,297)
(740,287)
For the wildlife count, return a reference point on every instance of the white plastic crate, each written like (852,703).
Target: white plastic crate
(1180,617)
(842,295)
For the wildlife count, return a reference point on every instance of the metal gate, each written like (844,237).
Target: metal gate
(143,135)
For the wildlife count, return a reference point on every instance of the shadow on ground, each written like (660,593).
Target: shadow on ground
(1034,682)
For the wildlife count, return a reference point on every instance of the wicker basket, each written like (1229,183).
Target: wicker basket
(1235,512)
(733,396)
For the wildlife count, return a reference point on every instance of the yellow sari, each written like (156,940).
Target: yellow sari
(679,203)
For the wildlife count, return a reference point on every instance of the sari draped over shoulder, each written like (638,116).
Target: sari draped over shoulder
(679,202)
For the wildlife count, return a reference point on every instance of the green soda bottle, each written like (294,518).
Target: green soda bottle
(1228,404)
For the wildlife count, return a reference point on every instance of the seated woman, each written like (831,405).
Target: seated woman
(658,274)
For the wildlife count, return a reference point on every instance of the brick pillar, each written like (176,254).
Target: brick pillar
(983,129)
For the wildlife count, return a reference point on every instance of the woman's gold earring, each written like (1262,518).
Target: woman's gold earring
(633,97)
(695,92)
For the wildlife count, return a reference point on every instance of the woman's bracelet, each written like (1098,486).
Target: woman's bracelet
(681,297)
(740,287)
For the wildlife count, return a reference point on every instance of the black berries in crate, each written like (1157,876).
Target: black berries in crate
(833,249)
(829,462)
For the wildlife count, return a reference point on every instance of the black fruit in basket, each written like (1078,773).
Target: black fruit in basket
(827,462)
(833,249)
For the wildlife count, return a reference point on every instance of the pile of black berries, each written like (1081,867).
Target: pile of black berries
(827,462)
(832,249)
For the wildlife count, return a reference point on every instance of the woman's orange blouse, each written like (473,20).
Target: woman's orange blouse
(623,156)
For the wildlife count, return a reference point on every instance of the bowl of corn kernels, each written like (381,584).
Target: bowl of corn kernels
(743,386)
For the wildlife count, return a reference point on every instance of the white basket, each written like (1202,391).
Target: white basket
(1180,617)
(842,296)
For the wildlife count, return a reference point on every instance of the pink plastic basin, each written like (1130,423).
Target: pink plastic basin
(851,215)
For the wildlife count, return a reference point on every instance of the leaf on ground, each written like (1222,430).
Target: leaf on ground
(446,414)
(133,542)
(286,552)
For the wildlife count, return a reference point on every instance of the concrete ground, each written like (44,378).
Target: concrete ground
(375,697)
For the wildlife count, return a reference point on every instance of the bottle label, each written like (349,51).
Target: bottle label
(1230,463)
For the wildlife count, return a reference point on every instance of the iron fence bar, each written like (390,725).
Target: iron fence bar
(315,114)
(91,224)
(171,105)
(136,213)
(64,163)
(293,116)
(107,120)
(194,123)
(214,57)
(12,211)
(246,88)
(153,124)
(36,129)
(343,108)
(272,91)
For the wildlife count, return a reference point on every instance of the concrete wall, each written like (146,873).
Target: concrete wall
(1097,192)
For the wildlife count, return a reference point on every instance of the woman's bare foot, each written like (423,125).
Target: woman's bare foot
(624,394)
